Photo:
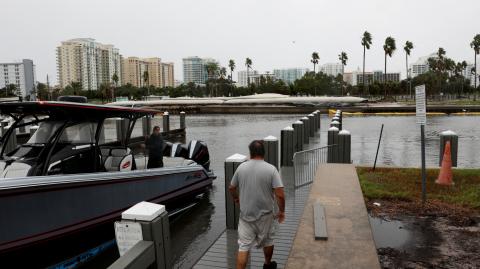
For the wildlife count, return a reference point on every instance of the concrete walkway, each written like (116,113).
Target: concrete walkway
(350,241)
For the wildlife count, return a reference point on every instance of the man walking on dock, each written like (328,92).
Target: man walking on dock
(258,183)
(155,149)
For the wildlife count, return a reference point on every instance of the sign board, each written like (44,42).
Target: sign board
(421,108)
(127,235)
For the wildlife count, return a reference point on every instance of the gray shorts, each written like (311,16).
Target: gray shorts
(260,232)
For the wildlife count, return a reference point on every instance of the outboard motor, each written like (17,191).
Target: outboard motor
(179,150)
(198,152)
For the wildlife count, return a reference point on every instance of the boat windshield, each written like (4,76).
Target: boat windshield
(44,132)
(81,133)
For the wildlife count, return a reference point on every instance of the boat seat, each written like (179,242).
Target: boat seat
(104,153)
(119,159)
(176,161)
(141,161)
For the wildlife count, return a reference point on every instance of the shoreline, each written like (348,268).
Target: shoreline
(357,110)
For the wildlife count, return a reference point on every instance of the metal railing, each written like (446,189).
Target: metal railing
(305,164)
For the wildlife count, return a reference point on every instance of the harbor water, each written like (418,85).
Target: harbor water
(197,228)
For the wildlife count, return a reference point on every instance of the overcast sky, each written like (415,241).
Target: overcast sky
(273,33)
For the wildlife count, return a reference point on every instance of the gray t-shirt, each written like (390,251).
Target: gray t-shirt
(256,180)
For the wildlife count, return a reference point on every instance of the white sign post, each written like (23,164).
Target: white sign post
(421,107)
(421,113)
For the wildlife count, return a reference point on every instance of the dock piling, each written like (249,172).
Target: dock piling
(121,128)
(453,138)
(313,127)
(344,146)
(271,150)
(182,120)
(298,127)
(146,126)
(166,121)
(306,129)
(287,137)
(332,142)
(232,210)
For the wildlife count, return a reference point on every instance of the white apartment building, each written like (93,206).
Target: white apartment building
(88,62)
(289,75)
(194,69)
(332,69)
(22,75)
(242,77)
(421,65)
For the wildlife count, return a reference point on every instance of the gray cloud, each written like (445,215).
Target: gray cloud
(274,34)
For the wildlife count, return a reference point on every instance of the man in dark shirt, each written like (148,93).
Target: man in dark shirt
(155,149)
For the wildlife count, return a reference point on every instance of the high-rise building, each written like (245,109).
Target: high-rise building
(242,77)
(132,71)
(22,75)
(332,69)
(168,75)
(87,62)
(421,65)
(289,75)
(356,77)
(194,69)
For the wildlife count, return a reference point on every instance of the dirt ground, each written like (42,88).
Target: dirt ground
(450,235)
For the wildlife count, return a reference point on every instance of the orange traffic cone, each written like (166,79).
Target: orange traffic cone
(446,177)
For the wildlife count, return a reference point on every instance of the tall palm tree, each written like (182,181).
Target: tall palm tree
(115,82)
(366,42)
(389,47)
(231,65)
(212,70)
(408,48)
(145,81)
(475,44)
(248,64)
(343,59)
(315,59)
(115,79)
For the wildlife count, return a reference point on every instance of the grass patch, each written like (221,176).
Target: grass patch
(406,184)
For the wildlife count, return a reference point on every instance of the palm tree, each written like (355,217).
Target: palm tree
(389,47)
(248,64)
(459,68)
(408,48)
(231,65)
(223,72)
(145,81)
(343,59)
(212,70)
(314,59)
(115,81)
(366,42)
(475,44)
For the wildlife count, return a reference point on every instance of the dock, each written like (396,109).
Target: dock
(223,253)
(350,241)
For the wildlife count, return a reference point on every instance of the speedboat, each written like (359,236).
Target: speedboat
(77,171)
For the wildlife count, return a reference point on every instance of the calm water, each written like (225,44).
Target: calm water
(194,231)
(225,135)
